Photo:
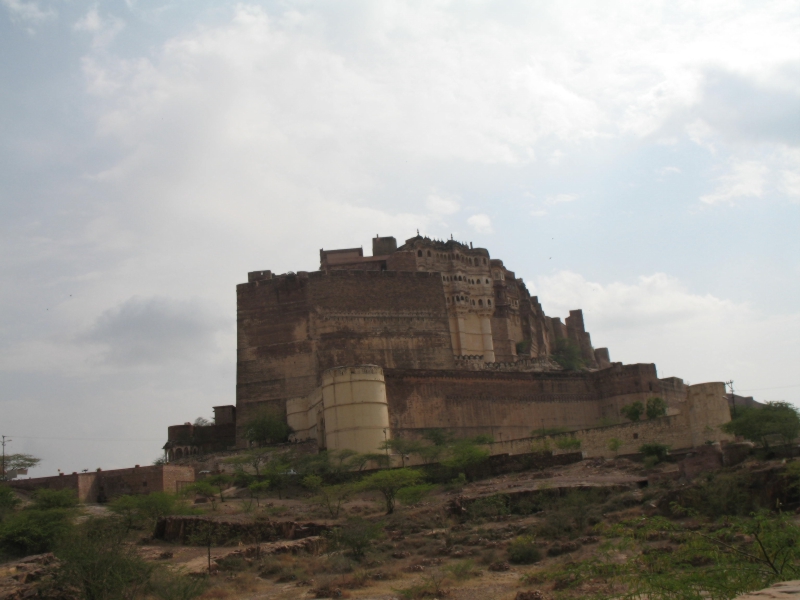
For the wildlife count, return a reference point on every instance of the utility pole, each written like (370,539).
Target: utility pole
(733,398)
(3,477)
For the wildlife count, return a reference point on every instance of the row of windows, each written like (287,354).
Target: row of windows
(460,278)
(457,299)
(453,256)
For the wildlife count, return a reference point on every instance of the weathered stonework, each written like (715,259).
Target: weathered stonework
(101,486)
(448,338)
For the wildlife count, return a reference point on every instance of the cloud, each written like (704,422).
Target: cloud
(658,319)
(745,179)
(761,107)
(441,205)
(102,29)
(560,198)
(155,331)
(538,213)
(22,10)
(668,171)
(481,223)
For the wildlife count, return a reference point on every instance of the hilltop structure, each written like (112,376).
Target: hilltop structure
(438,334)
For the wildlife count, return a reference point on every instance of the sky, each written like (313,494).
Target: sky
(638,160)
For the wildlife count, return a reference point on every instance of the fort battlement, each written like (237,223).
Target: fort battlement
(459,342)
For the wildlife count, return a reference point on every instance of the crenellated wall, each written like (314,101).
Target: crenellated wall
(460,342)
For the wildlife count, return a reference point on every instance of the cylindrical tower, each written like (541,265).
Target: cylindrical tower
(355,408)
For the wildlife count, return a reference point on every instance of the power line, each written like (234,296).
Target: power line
(780,387)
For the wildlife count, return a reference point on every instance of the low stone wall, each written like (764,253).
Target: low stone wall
(181,529)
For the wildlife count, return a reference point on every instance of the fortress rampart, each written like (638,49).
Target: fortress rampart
(434,334)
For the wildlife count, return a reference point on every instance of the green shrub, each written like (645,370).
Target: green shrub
(569,443)
(656,450)
(8,499)
(145,510)
(357,535)
(463,569)
(388,482)
(34,531)
(415,493)
(632,412)
(96,563)
(490,506)
(44,499)
(655,407)
(523,550)
(568,355)
(266,426)
(721,494)
(775,422)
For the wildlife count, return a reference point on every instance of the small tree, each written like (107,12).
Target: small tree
(775,421)
(568,355)
(333,496)
(17,462)
(632,412)
(657,451)
(614,445)
(357,535)
(467,454)
(44,499)
(388,482)
(403,447)
(208,534)
(220,482)
(254,458)
(266,426)
(258,489)
(655,408)
(204,490)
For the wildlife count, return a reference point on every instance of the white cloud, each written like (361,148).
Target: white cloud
(538,213)
(695,336)
(745,179)
(102,29)
(441,205)
(481,223)
(560,199)
(22,10)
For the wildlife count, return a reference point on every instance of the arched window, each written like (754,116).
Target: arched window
(429,253)
(487,281)
(484,262)
(480,302)
(489,302)
(419,253)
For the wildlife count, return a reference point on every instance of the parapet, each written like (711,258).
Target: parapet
(382,246)
(258,276)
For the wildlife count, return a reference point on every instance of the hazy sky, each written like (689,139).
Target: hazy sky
(639,160)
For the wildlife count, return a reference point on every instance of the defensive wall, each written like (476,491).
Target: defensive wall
(100,486)
(292,328)
(431,334)
(680,431)
(371,405)
(511,405)
(194,439)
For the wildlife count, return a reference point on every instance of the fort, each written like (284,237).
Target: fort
(429,335)
(439,335)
